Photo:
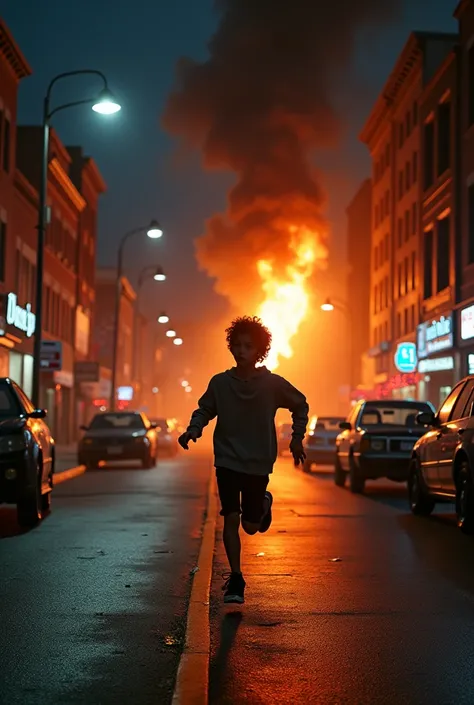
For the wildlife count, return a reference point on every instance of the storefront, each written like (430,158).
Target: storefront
(438,362)
(465,339)
(17,328)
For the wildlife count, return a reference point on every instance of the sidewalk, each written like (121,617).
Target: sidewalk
(66,463)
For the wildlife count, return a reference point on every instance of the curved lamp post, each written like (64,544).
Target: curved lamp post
(154,232)
(103,103)
(331,305)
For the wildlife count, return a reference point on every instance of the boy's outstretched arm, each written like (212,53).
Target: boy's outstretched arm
(205,412)
(295,401)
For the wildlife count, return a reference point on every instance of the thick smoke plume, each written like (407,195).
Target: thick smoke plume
(259,106)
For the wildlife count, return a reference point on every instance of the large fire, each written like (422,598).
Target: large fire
(287,299)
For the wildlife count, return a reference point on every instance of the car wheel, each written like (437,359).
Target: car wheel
(339,474)
(356,482)
(421,503)
(465,499)
(29,510)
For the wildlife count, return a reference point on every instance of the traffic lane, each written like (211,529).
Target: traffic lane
(390,622)
(94,600)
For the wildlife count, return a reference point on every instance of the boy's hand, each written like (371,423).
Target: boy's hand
(191,435)
(297,451)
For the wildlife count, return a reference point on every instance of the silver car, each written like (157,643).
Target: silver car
(320,444)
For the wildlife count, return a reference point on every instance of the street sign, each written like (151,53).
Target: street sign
(405,358)
(86,371)
(51,359)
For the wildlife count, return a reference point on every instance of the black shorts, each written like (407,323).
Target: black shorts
(232,485)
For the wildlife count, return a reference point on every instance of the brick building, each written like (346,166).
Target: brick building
(393,135)
(359,233)
(74,186)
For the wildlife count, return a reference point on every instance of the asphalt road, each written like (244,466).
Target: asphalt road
(391,622)
(93,601)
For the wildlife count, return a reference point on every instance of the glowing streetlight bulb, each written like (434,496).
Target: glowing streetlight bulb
(106,103)
(327,306)
(163,318)
(185,383)
(178,341)
(154,230)
(155,390)
(171,334)
(188,389)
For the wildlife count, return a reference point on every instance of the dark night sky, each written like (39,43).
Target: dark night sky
(137,45)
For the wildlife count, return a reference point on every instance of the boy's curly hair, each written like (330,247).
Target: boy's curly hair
(252,326)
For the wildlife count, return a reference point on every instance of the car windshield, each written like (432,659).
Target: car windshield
(328,423)
(392,414)
(117,421)
(8,404)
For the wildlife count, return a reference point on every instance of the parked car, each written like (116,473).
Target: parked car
(284,434)
(26,455)
(320,444)
(167,438)
(377,441)
(120,435)
(442,465)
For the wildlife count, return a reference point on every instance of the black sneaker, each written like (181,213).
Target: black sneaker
(267,517)
(234,587)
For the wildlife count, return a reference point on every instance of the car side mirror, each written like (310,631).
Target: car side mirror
(38,414)
(426,418)
(84,428)
(345,426)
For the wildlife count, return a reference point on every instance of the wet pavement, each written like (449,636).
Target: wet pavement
(93,601)
(392,621)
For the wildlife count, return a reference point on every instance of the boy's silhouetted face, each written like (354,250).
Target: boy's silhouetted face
(244,351)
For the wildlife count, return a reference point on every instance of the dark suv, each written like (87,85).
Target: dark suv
(442,464)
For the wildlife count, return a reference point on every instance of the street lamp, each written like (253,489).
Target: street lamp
(105,104)
(329,306)
(159,275)
(171,333)
(163,318)
(178,341)
(151,232)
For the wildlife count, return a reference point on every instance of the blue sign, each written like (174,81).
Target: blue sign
(405,358)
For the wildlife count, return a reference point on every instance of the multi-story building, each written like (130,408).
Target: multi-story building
(359,234)
(103,336)
(439,188)
(16,344)
(393,136)
(464,330)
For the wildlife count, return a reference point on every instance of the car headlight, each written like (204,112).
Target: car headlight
(87,441)
(142,439)
(12,444)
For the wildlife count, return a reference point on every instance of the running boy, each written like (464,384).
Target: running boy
(245,400)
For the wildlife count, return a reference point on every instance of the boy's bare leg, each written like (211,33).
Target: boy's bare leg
(232,541)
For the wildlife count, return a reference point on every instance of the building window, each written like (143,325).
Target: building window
(376,299)
(414,216)
(387,247)
(405,275)
(400,184)
(428,144)
(414,171)
(470,203)
(399,325)
(399,279)
(385,288)
(387,155)
(428,265)
(401,135)
(415,113)
(444,137)
(443,259)
(405,321)
(408,123)
(3,249)
(407,225)
(470,77)
(400,232)
(407,176)
(413,318)
(376,216)
(387,202)
(413,270)
(6,145)
(376,258)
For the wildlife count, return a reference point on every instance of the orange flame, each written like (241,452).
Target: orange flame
(287,300)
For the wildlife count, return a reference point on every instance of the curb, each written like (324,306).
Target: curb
(192,680)
(69,474)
